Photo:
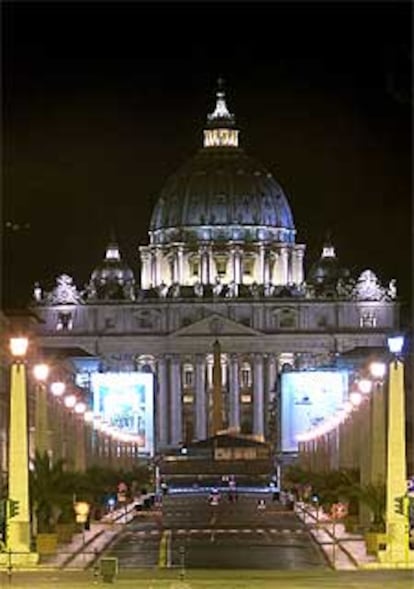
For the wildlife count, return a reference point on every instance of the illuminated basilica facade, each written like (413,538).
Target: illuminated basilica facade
(221,264)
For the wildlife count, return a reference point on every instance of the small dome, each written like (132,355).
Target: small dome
(222,194)
(327,270)
(112,278)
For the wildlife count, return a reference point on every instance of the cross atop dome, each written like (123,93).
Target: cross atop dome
(328,250)
(220,130)
(221,111)
(112,249)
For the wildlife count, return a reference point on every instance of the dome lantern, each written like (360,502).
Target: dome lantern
(220,131)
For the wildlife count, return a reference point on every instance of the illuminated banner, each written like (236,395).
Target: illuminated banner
(126,401)
(307,399)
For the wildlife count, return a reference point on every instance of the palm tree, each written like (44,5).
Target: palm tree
(374,497)
(51,491)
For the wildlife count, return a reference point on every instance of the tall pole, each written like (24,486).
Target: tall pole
(217,395)
(397,553)
(41,372)
(378,424)
(18,533)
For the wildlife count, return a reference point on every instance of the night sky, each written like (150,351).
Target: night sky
(102,101)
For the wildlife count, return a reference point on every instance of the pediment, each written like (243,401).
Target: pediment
(216,324)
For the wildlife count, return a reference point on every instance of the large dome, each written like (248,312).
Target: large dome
(222,194)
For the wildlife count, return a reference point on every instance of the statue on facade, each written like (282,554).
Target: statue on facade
(344,288)
(128,292)
(198,289)
(254,289)
(37,292)
(232,290)
(175,290)
(162,290)
(392,289)
(65,292)
(269,289)
(218,287)
(368,287)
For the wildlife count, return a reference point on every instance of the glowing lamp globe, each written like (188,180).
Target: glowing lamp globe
(378,369)
(57,388)
(70,401)
(395,344)
(355,398)
(18,346)
(41,372)
(365,385)
(88,416)
(80,407)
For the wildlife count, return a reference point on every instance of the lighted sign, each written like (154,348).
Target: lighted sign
(307,399)
(126,401)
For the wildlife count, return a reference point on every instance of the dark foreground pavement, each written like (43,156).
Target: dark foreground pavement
(203,579)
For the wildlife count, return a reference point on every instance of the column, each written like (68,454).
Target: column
(153,259)
(266,271)
(260,275)
(234,389)
(258,405)
(180,267)
(297,267)
(211,273)
(238,278)
(200,398)
(146,268)
(284,265)
(203,265)
(176,401)
(157,267)
(233,263)
(273,423)
(175,272)
(162,403)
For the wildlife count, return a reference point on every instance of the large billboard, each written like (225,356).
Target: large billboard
(126,401)
(308,398)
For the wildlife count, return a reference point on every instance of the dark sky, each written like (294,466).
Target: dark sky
(102,101)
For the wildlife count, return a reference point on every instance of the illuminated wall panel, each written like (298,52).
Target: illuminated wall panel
(126,401)
(308,398)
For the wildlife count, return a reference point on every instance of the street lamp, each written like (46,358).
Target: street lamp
(80,431)
(18,532)
(397,552)
(57,388)
(378,423)
(41,373)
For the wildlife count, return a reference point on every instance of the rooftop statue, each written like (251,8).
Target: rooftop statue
(368,287)
(65,292)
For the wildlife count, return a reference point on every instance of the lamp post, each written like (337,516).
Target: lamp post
(80,454)
(378,423)
(18,536)
(58,388)
(41,372)
(69,431)
(397,552)
(364,445)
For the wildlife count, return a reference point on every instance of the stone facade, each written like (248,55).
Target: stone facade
(230,270)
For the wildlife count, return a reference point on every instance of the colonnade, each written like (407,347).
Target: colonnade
(282,264)
(245,398)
